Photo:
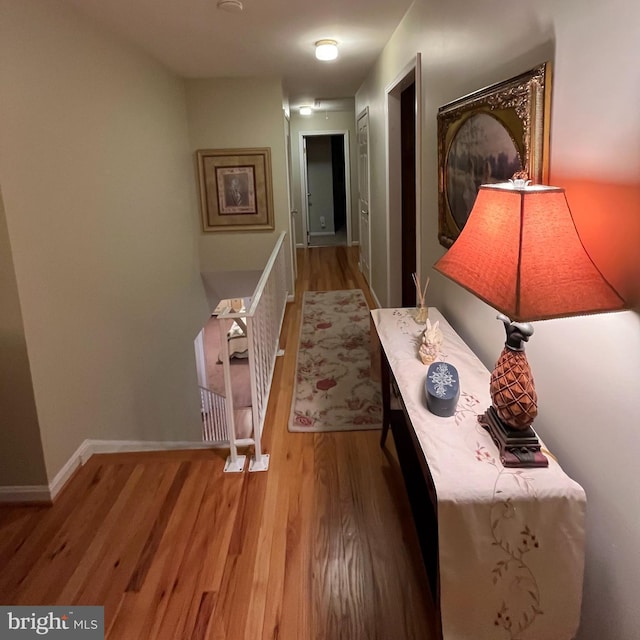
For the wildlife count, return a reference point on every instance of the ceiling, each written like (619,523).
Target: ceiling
(195,39)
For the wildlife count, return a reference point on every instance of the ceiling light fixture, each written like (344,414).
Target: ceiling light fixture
(305,111)
(326,49)
(232,6)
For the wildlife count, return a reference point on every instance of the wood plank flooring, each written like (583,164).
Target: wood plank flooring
(320,547)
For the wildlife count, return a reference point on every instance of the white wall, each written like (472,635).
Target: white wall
(317,122)
(98,189)
(236,113)
(587,370)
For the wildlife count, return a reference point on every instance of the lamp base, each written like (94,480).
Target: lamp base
(518,448)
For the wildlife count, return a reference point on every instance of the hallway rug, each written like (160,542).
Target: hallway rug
(333,388)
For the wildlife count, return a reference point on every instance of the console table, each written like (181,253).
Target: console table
(504,547)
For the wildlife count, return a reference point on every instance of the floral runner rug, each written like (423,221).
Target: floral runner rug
(334,390)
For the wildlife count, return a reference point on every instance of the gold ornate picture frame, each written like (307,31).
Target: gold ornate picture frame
(486,137)
(235,189)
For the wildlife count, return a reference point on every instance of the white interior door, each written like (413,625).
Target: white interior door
(363,194)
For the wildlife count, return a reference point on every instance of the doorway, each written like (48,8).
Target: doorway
(404,229)
(408,192)
(325,186)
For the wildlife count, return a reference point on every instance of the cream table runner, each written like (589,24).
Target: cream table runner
(511,541)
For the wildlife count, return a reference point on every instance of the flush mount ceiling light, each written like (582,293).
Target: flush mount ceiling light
(232,6)
(326,49)
(305,111)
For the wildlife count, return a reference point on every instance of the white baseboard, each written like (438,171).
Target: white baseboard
(322,233)
(81,455)
(355,243)
(26,494)
(130,446)
(44,493)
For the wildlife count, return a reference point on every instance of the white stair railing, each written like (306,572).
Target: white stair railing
(263,321)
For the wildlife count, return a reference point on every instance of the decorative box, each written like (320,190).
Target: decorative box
(442,388)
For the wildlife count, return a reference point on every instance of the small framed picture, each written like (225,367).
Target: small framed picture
(235,189)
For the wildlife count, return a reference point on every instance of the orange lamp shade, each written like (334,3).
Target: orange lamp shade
(520,252)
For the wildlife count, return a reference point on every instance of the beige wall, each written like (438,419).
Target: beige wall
(21,458)
(97,181)
(587,369)
(324,121)
(235,113)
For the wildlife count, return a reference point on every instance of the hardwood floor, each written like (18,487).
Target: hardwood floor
(322,546)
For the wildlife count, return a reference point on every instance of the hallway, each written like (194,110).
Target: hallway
(322,546)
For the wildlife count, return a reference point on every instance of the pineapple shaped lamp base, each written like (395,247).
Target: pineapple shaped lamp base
(514,399)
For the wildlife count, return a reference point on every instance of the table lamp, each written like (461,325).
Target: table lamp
(520,253)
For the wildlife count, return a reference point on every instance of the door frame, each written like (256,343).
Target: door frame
(292,211)
(412,72)
(365,114)
(304,187)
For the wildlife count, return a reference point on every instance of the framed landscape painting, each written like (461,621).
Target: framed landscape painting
(488,136)
(235,189)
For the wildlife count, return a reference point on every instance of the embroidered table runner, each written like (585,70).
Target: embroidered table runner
(511,541)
